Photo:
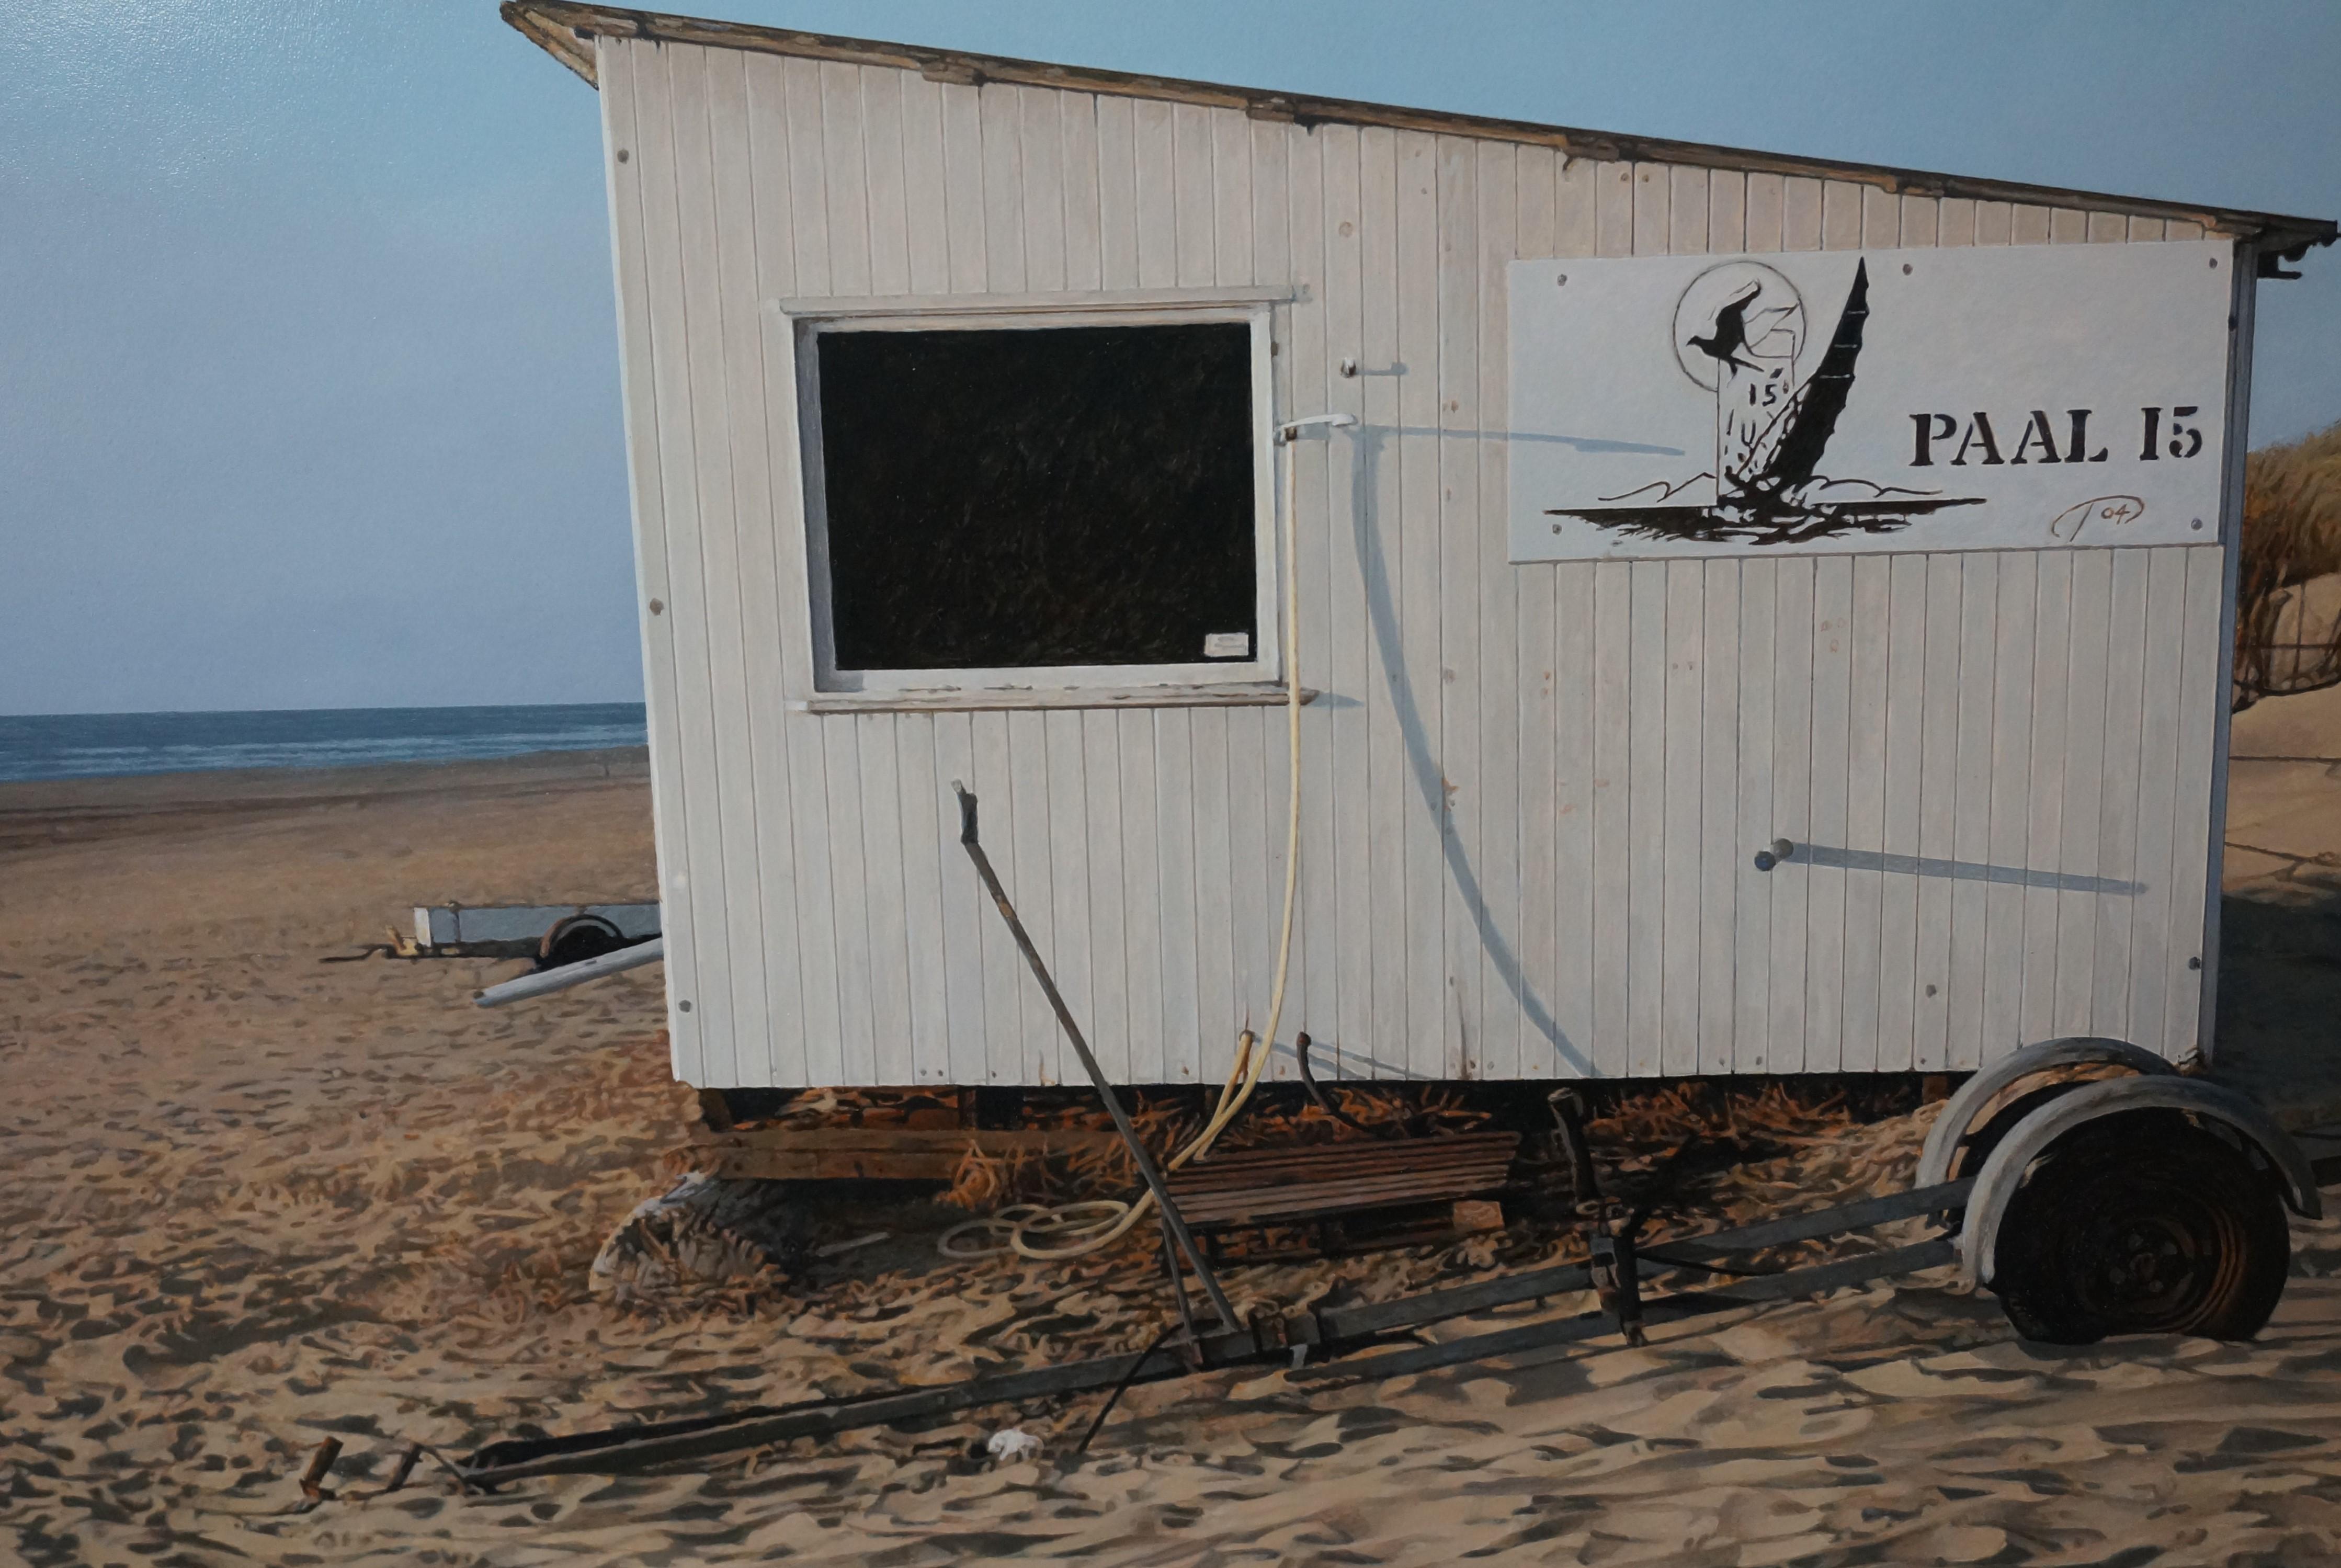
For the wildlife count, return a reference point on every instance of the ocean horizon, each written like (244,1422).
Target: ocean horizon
(102,745)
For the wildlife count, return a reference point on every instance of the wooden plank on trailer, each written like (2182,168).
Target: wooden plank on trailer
(2009,839)
(1679,886)
(1508,1002)
(1195,196)
(1800,214)
(1348,639)
(1381,523)
(2202,692)
(808,204)
(965,205)
(1938,753)
(965,906)
(850,901)
(1576,197)
(2119,782)
(1117,188)
(1288,237)
(1825,810)
(1979,632)
(623,65)
(1454,507)
(2143,230)
(1993,223)
(1865,804)
(883,131)
(778,1038)
(876,1153)
(1727,212)
(1067,891)
(1007,1058)
(1768,197)
(1109,1022)
(1232,214)
(2068,226)
(1430,1024)
(1221,1011)
(1653,198)
(844,181)
(1536,190)
(926,198)
(1792,723)
(2052,620)
(1033,805)
(1954,222)
(1719,846)
(879,774)
(1131,737)
(1155,149)
(1000,108)
(1906,712)
(2085,757)
(1255,861)
(1921,223)
(1613,870)
(1613,234)
(1646,816)
(1752,890)
(1077,124)
(1040,142)
(2108,229)
(1572,888)
(2162,673)
(1176,867)
(1686,198)
(2027,224)
(1536,801)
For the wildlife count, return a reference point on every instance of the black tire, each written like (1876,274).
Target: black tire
(576,938)
(2142,1224)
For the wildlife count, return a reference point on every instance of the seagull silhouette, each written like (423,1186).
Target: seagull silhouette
(1728,336)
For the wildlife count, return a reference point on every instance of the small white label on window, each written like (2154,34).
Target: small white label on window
(1227,644)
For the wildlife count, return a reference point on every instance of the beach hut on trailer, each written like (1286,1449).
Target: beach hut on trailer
(1760,615)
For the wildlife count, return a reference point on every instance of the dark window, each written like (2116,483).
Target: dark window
(1054,495)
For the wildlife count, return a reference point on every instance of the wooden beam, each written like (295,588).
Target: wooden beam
(871,1154)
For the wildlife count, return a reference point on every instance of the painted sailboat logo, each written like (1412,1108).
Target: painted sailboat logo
(1739,331)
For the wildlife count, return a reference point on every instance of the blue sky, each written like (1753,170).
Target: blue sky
(308,374)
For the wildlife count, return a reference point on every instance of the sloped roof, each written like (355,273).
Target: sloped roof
(565,30)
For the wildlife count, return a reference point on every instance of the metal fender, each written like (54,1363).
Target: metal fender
(2003,1172)
(1952,1126)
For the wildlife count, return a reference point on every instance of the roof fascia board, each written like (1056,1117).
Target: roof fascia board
(564,29)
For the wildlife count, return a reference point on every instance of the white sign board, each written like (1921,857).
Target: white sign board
(2009,397)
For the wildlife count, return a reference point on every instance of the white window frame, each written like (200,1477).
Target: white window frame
(809,319)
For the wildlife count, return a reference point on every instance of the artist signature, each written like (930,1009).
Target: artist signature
(2066,526)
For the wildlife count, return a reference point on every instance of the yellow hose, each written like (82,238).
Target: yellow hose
(1078,1238)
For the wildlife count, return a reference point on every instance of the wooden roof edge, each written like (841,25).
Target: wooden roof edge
(565,30)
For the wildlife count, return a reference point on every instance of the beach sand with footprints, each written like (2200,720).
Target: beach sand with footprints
(253,1200)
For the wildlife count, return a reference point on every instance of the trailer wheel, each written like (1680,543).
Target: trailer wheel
(576,938)
(2142,1224)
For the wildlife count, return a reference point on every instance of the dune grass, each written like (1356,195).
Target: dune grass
(2287,635)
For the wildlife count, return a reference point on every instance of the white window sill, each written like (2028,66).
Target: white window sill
(1226,695)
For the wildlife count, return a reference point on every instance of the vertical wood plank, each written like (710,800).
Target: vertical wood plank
(1390,774)
(1800,214)
(2051,666)
(1574,884)
(1232,214)
(1751,989)
(2202,690)
(1767,196)
(845,178)
(1033,805)
(1646,818)
(2162,676)
(1108,894)
(1117,177)
(1718,852)
(1001,108)
(1727,212)
(1006,1059)
(926,194)
(963,900)
(1040,143)
(1577,183)
(1877,220)
(1954,222)
(1793,720)
(1222,1011)
(1194,195)
(882,135)
(1613,828)
(2118,786)
(1993,222)
(879,779)
(1430,1023)
(1456,507)
(2027,224)
(1154,148)
(1083,203)
(2014,661)
(966,208)
(1921,223)
(1906,711)
(1175,866)
(2108,228)
(1687,197)
(1508,1000)
(1144,957)
(1865,804)
(808,205)
(1938,793)
(1683,728)
(1826,811)
(2085,758)
(1545,1047)
(1653,188)
(1613,232)
(1979,632)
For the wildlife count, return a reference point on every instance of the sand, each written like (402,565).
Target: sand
(253,1200)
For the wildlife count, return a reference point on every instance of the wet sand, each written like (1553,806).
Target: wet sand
(253,1200)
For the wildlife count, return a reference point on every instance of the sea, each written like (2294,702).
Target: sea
(94,746)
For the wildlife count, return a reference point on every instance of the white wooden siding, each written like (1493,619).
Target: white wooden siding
(1531,793)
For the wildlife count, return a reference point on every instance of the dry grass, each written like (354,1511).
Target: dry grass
(2289,639)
